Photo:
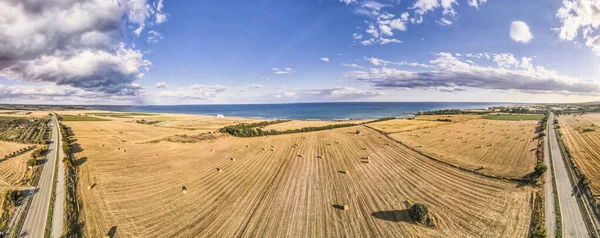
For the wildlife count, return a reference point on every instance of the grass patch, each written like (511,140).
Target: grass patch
(514,117)
(81,118)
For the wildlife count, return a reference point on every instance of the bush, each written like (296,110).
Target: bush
(540,168)
(542,134)
(33,162)
(419,212)
(540,232)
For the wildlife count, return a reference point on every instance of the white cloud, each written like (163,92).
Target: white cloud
(357,36)
(325,59)
(450,73)
(73,42)
(289,94)
(576,15)
(282,71)
(348,1)
(329,94)
(161,85)
(352,66)
(154,36)
(381,62)
(519,32)
(192,92)
(505,60)
(475,3)
(160,16)
(423,6)
(254,86)
(444,22)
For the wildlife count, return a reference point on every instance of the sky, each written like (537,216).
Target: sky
(164,52)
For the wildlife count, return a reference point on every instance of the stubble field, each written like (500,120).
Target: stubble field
(267,187)
(581,136)
(499,148)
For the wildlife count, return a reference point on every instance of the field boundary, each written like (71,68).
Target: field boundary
(583,199)
(508,179)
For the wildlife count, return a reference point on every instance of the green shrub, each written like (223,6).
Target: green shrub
(419,212)
(33,162)
(540,168)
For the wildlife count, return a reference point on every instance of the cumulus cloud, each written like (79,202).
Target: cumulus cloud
(450,73)
(161,85)
(325,59)
(519,32)
(73,42)
(282,71)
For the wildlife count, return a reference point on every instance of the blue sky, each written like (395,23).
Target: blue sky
(196,52)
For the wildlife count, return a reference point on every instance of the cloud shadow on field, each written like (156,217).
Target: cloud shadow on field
(393,215)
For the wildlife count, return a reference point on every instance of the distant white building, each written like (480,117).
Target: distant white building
(220,116)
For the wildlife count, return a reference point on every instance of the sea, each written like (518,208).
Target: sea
(306,111)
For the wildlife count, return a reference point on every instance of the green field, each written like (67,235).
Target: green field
(514,117)
(122,115)
(81,118)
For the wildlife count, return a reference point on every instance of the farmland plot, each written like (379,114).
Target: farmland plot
(284,186)
(581,136)
(500,148)
(399,125)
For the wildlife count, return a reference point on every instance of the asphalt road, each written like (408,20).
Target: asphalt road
(57,216)
(550,216)
(573,224)
(35,220)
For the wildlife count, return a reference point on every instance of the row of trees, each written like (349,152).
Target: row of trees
(256,129)
(18,152)
(72,228)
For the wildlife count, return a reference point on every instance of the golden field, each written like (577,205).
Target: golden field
(399,125)
(581,136)
(267,187)
(499,148)
(14,169)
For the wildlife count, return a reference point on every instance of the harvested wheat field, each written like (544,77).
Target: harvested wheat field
(290,125)
(399,125)
(9,147)
(13,169)
(499,148)
(285,186)
(453,117)
(581,136)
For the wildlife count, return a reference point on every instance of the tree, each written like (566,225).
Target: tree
(540,168)
(33,162)
(419,212)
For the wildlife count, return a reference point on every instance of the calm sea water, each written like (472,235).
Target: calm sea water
(307,111)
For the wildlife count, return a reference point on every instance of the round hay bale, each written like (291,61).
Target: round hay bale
(219,170)
(232,159)
(345,207)
(155,155)
(184,189)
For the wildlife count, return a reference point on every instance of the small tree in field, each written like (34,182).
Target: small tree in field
(419,212)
